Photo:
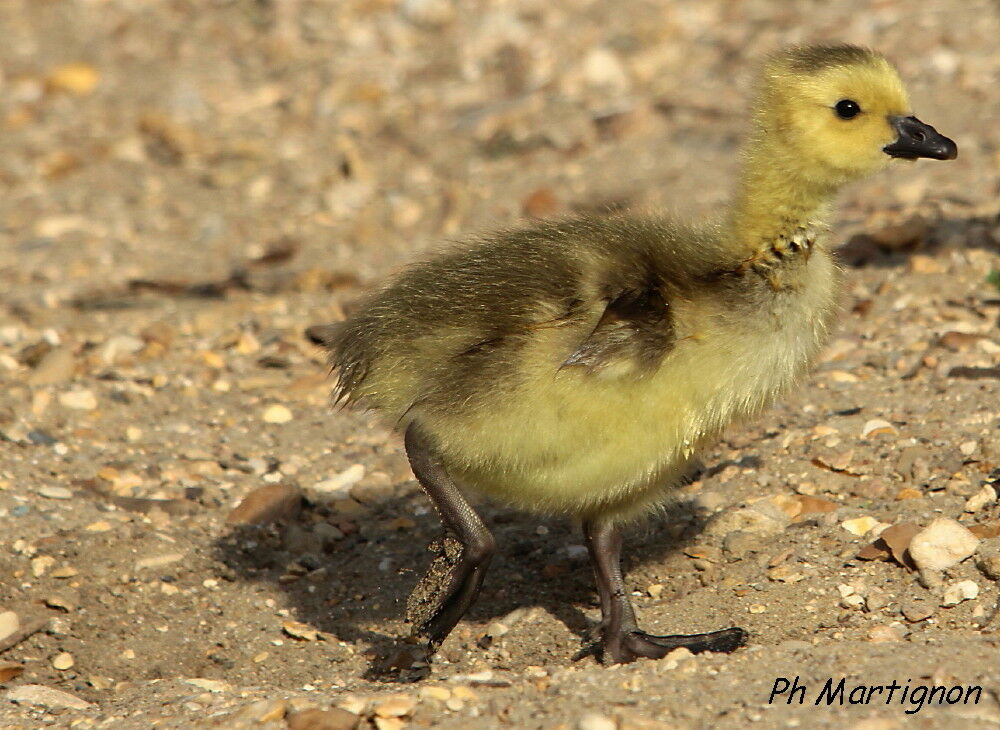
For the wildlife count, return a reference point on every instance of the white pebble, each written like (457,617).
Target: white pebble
(877,426)
(55,492)
(602,69)
(942,544)
(860,525)
(980,499)
(277,414)
(343,481)
(119,345)
(964,590)
(596,722)
(78,400)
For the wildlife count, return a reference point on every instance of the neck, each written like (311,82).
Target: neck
(772,204)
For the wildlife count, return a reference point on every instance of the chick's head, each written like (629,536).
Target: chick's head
(831,114)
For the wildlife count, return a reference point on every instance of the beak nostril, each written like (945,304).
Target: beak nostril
(917,139)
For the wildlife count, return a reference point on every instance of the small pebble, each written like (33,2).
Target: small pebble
(964,590)
(299,630)
(78,400)
(9,624)
(55,492)
(883,634)
(603,69)
(78,79)
(41,565)
(119,347)
(395,706)
(876,600)
(596,722)
(877,427)
(942,544)
(860,525)
(342,481)
(61,602)
(917,610)
(986,495)
(277,413)
(852,601)
(63,661)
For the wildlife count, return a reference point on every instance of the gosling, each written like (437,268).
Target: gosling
(575,367)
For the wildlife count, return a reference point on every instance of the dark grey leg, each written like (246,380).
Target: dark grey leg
(453,581)
(621,640)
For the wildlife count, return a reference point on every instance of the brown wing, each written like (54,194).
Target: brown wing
(635,330)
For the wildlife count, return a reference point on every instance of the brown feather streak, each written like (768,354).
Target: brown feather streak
(636,325)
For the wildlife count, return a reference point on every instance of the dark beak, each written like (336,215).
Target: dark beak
(917,139)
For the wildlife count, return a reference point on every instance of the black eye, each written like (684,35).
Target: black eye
(847,109)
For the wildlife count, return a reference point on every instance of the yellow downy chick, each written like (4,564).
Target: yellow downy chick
(576,366)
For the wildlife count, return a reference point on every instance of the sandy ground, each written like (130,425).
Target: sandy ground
(187,184)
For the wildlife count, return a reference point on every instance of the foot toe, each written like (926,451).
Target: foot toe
(637,644)
(723,641)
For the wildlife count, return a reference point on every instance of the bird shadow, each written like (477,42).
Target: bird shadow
(355,588)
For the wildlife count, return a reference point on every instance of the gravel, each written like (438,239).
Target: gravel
(187,186)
